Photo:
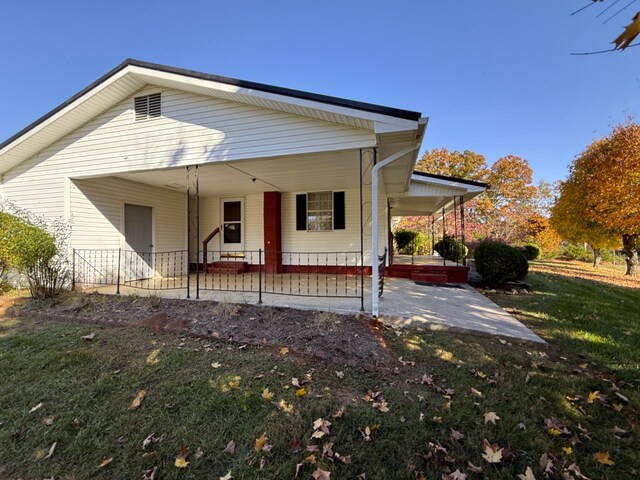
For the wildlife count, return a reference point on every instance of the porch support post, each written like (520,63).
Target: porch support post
(361,241)
(464,257)
(374,222)
(188,234)
(455,223)
(197,234)
(444,232)
(433,234)
(272,225)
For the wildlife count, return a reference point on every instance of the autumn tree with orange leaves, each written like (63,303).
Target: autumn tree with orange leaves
(570,219)
(605,178)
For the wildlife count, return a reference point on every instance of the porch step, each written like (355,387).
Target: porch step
(228,267)
(429,277)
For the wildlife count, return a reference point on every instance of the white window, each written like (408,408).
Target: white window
(149,106)
(319,211)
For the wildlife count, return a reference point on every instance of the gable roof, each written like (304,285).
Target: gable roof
(132,75)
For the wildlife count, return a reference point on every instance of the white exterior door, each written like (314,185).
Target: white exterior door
(232,234)
(138,235)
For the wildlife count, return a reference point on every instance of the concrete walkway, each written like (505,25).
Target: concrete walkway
(404,303)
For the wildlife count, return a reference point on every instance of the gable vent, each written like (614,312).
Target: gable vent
(149,106)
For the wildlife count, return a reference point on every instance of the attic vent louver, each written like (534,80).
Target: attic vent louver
(149,106)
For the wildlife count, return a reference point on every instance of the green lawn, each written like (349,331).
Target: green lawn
(86,388)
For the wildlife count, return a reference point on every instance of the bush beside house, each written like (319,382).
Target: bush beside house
(498,262)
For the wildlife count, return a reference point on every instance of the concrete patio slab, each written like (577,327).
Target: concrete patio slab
(404,303)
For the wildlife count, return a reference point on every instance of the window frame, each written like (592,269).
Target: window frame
(324,212)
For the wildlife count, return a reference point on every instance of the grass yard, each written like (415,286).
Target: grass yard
(569,408)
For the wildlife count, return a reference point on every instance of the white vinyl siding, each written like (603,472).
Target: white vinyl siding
(193,129)
(97,218)
(337,240)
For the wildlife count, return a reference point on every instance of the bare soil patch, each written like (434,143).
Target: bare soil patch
(344,339)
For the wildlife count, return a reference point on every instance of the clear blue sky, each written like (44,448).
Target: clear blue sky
(494,77)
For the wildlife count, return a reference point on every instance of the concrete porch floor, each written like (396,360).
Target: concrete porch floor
(404,303)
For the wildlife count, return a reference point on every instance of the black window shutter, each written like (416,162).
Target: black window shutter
(338,211)
(301,211)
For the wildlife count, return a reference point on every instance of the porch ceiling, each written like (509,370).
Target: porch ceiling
(315,172)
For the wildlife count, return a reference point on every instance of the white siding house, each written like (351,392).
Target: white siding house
(131,142)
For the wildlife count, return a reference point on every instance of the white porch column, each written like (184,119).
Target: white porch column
(374,223)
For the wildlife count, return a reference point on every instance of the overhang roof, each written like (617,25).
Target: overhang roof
(132,75)
(428,194)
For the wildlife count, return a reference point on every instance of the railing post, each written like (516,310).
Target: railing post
(73,269)
(118,281)
(259,275)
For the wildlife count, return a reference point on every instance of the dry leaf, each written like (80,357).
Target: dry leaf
(234,382)
(528,475)
(137,401)
(261,442)
(51,450)
(284,351)
(227,476)
(105,462)
(492,453)
(618,407)
(491,417)
(474,468)
(266,394)
(603,457)
(592,396)
(89,337)
(284,407)
(320,474)
(48,421)
(346,460)
(38,406)
(339,412)
(301,392)
(457,475)
(630,32)
(456,436)
(150,474)
(216,364)
(475,392)
(230,448)
(618,430)
(340,375)
(621,397)
(181,459)
(567,450)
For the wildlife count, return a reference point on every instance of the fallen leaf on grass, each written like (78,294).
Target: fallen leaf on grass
(284,351)
(492,453)
(475,392)
(262,445)
(181,459)
(149,474)
(227,476)
(89,337)
(528,475)
(137,401)
(457,475)
(603,458)
(105,462)
(366,434)
(230,448)
(199,453)
(619,431)
(51,450)
(311,459)
(340,375)
(216,365)
(321,428)
(284,407)
(474,468)
(621,397)
(593,396)
(48,421)
(346,460)
(339,413)
(320,474)
(234,382)
(37,407)
(456,436)
(491,417)
(266,394)
(618,407)
(301,392)
(567,450)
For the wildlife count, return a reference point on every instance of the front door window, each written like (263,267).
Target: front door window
(232,222)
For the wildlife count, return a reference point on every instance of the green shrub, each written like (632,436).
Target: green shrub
(33,247)
(451,249)
(530,251)
(410,242)
(574,251)
(499,263)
